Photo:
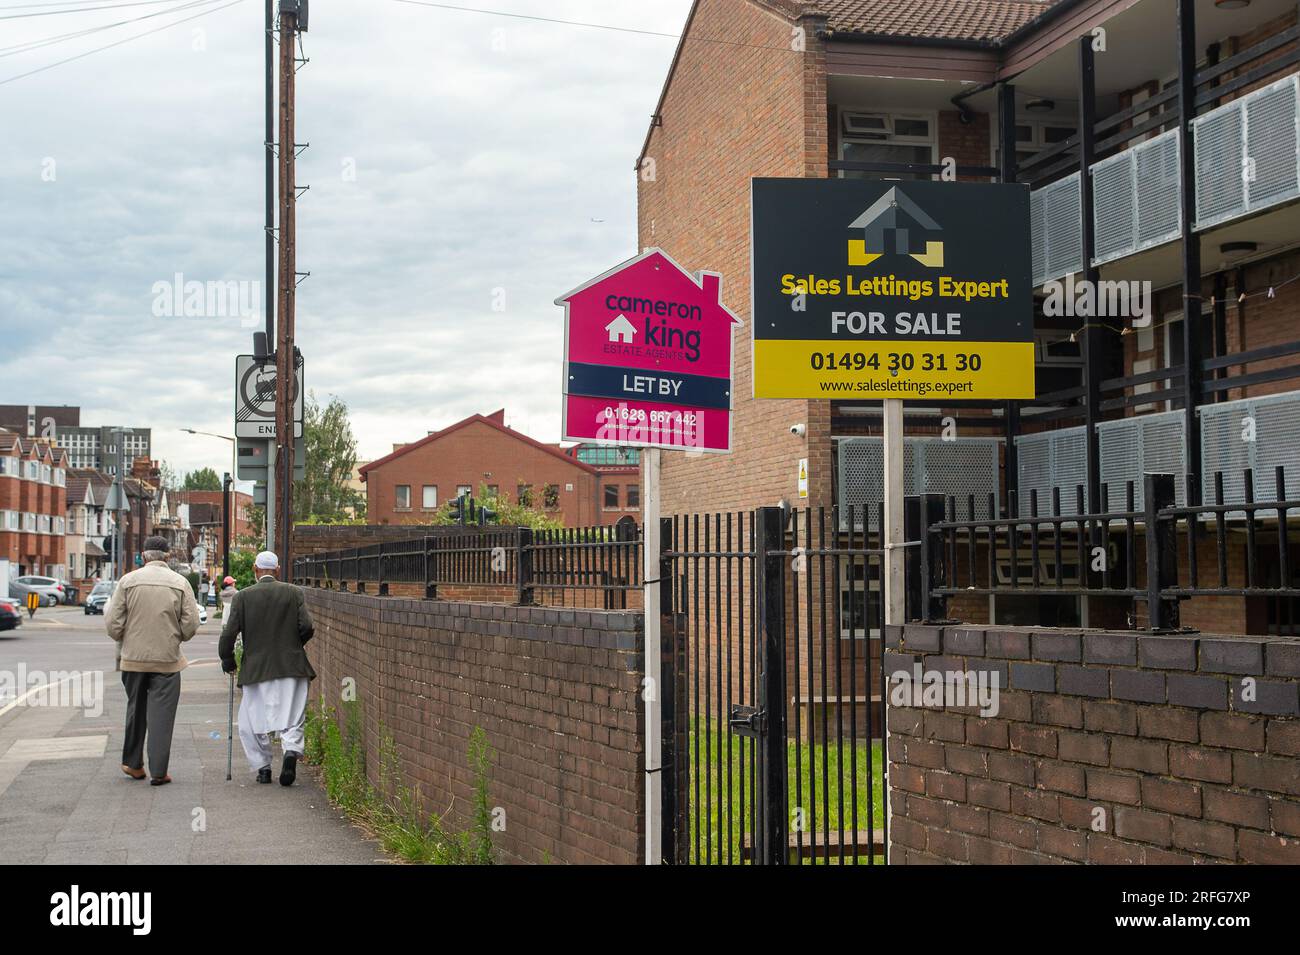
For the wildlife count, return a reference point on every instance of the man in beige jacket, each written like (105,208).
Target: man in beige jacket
(152,612)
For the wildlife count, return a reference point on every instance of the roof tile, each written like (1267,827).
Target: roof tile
(930,19)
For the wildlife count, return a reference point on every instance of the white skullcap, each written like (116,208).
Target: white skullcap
(266,561)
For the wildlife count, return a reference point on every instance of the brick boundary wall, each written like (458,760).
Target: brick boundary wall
(558,693)
(1154,731)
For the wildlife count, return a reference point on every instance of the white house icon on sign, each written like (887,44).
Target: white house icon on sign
(621,330)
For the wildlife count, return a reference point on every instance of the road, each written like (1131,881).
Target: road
(64,798)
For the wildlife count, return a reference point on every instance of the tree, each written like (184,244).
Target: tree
(204,479)
(324,496)
(168,477)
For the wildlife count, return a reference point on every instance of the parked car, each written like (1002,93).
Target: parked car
(99,595)
(203,614)
(51,590)
(11,614)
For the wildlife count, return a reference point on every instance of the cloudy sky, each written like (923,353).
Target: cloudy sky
(458,162)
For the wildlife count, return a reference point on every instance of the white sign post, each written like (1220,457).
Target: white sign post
(893,538)
(651,689)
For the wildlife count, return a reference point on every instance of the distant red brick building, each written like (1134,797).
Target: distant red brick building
(579,486)
(33,505)
(205,508)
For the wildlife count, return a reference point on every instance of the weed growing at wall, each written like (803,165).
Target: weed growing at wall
(392,810)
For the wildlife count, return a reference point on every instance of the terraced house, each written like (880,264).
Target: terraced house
(1158,139)
(33,479)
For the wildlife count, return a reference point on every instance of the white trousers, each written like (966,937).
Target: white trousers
(273,706)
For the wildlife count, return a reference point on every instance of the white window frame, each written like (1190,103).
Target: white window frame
(930,116)
(424,497)
(397,497)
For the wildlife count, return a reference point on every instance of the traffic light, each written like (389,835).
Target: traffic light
(458,511)
(486,516)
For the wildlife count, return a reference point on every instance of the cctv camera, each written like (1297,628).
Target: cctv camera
(799,430)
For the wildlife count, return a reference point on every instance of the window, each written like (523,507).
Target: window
(464,490)
(403,497)
(494,491)
(633,496)
(429,497)
(33,471)
(889,138)
(9,466)
(609,455)
(611,496)
(526,495)
(1033,136)
(551,496)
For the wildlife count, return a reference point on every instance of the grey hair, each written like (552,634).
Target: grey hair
(151,555)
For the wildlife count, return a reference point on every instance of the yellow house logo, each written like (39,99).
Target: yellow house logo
(895,224)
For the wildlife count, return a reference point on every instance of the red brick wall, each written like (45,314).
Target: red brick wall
(1107,748)
(731,114)
(469,455)
(556,691)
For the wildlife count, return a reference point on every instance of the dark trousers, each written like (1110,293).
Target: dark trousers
(151,700)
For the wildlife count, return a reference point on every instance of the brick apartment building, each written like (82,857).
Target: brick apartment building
(33,478)
(87,446)
(1132,122)
(579,486)
(205,508)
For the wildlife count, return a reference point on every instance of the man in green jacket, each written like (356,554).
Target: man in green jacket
(275,672)
(151,613)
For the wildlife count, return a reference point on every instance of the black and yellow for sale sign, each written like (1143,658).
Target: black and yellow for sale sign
(872,289)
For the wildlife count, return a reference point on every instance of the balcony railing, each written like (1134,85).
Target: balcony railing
(1135,199)
(1247,159)
(1252,434)
(1247,154)
(960,467)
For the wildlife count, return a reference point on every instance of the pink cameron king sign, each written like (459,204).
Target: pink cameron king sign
(647,358)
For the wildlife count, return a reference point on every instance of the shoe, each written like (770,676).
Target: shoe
(289,771)
(264,774)
(133,773)
(160,781)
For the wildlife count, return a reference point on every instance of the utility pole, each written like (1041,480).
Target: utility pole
(270,289)
(285,364)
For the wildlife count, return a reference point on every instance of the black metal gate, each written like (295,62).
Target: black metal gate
(773,685)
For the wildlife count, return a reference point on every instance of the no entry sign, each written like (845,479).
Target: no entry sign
(877,289)
(647,358)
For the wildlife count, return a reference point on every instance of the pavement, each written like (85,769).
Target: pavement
(65,799)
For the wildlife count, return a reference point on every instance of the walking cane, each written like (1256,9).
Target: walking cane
(230,728)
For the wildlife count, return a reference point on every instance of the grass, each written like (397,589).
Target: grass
(819,774)
(392,810)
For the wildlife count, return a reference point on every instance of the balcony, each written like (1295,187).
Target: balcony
(1255,434)
(1247,162)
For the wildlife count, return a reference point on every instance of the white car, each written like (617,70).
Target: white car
(203,613)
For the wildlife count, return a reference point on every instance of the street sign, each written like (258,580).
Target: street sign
(255,397)
(251,456)
(259,495)
(647,358)
(877,289)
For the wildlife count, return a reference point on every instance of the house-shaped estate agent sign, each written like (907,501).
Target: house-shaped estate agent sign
(647,357)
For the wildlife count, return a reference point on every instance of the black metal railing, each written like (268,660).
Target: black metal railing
(773,680)
(533,565)
(1153,554)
